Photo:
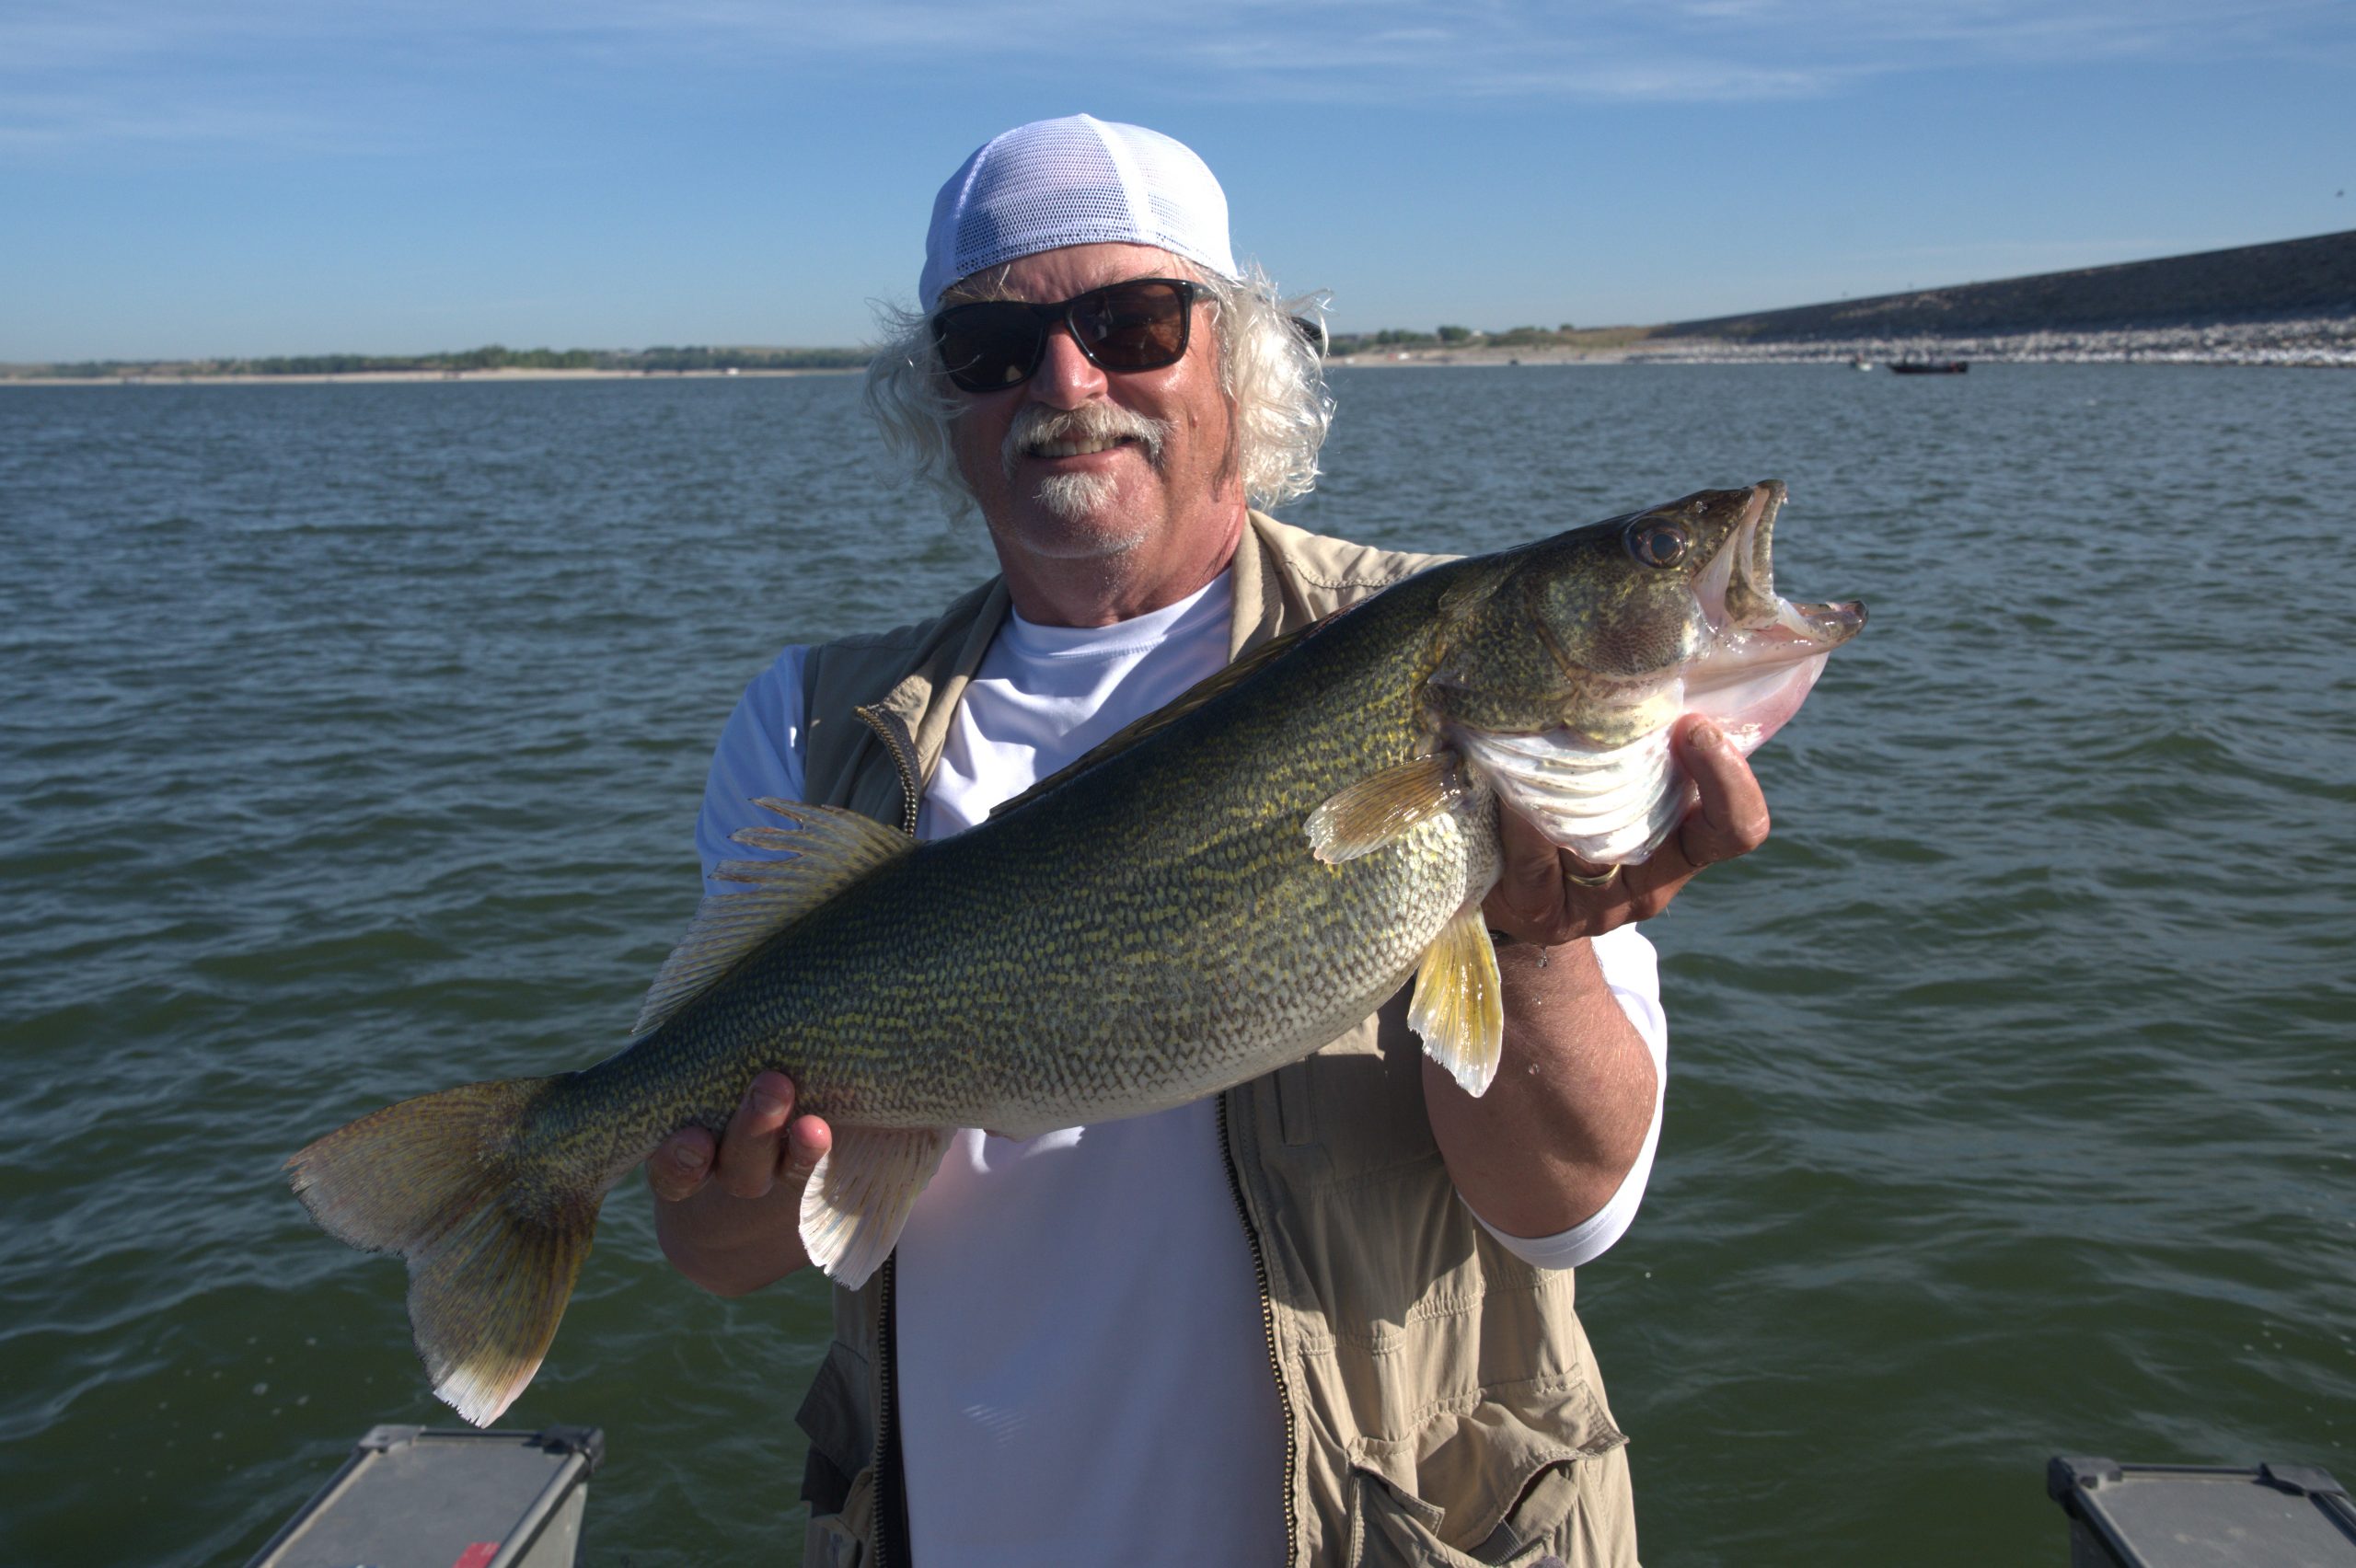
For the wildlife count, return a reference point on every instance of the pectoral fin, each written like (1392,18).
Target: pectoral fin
(1459,1005)
(860,1197)
(1377,809)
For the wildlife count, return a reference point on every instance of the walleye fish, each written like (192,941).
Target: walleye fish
(1214,893)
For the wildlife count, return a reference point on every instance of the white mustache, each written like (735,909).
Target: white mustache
(1037,425)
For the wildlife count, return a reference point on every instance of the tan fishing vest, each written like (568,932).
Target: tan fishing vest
(1440,1405)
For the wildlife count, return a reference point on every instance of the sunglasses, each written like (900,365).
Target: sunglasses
(1140,324)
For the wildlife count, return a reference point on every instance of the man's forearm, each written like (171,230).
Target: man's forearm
(1565,1119)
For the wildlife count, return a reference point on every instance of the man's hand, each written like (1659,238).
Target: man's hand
(1539,898)
(1560,1128)
(728,1210)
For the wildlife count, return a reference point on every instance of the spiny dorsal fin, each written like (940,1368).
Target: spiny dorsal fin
(1168,713)
(1459,1007)
(1381,806)
(831,851)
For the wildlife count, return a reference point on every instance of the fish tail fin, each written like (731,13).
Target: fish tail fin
(494,1222)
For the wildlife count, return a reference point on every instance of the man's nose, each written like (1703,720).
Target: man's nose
(1066,377)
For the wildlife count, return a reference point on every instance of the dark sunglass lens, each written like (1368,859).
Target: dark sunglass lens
(1140,326)
(985,347)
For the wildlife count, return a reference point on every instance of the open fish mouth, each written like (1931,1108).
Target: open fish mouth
(1614,804)
(1764,653)
(1749,623)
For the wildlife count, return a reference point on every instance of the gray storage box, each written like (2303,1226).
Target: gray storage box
(420,1497)
(2202,1516)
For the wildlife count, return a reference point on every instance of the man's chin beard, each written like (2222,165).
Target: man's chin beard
(1077,498)
(1082,521)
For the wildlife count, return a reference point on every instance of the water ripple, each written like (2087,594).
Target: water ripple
(354,738)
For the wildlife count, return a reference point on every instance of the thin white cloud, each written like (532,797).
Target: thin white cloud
(31,123)
(161,70)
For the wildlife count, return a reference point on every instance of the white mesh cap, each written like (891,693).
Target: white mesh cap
(1079,180)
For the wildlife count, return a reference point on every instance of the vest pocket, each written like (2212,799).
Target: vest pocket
(1525,1473)
(833,1539)
(1394,1528)
(835,1418)
(838,1476)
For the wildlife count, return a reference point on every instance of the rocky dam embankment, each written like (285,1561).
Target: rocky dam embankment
(2293,302)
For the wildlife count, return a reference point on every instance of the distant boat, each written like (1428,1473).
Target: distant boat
(1861,365)
(1929,367)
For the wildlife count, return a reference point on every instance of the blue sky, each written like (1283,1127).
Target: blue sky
(186,177)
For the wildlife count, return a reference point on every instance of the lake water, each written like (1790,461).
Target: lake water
(351,742)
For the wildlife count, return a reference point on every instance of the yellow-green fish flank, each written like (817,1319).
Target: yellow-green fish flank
(1215,892)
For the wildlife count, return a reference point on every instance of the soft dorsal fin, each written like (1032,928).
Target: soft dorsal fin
(1168,713)
(831,851)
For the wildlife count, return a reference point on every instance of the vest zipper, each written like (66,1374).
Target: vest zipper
(902,745)
(1267,1329)
(889,1482)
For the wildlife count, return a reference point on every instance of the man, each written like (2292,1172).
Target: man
(1325,1316)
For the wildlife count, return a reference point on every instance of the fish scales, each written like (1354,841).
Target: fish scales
(1100,952)
(1209,895)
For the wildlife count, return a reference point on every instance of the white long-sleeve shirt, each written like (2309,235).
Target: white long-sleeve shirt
(1083,1303)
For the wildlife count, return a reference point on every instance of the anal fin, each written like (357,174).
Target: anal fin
(1459,1007)
(859,1197)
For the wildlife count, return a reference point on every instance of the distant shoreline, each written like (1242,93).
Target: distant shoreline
(2325,342)
(2285,303)
(403,377)
(2332,347)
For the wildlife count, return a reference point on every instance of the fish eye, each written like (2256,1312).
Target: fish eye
(1659,544)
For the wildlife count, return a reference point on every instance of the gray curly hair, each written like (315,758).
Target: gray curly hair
(1269,369)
